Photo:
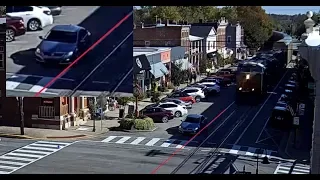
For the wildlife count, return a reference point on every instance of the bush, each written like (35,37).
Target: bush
(156,97)
(143,124)
(126,124)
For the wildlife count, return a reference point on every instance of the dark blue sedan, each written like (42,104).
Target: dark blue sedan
(63,44)
(193,123)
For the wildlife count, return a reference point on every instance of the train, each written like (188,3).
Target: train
(255,76)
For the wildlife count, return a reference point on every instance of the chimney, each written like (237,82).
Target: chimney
(200,20)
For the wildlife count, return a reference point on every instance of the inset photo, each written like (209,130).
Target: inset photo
(55,51)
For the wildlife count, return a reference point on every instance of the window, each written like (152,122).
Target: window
(164,106)
(22,8)
(158,110)
(62,36)
(171,105)
(229,39)
(82,34)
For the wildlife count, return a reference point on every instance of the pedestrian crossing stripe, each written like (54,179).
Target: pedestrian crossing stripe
(28,154)
(297,169)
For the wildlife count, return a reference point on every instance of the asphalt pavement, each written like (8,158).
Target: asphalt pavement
(101,70)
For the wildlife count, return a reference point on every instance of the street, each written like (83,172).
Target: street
(107,68)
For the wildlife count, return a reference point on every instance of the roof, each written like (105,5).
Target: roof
(194,38)
(69,28)
(194,115)
(210,24)
(149,50)
(201,31)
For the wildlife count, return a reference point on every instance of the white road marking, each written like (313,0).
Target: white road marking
(12,163)
(53,142)
(38,148)
(47,145)
(3,172)
(7,167)
(267,152)
(181,145)
(235,149)
(167,143)
(35,152)
(123,139)
(44,81)
(251,151)
(152,141)
(110,138)
(11,85)
(16,158)
(24,155)
(138,140)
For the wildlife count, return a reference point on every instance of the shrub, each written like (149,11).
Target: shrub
(126,124)
(143,124)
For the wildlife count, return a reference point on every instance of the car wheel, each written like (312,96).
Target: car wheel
(10,34)
(34,25)
(165,119)
(178,114)
(198,98)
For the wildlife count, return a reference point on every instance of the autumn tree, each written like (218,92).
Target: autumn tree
(256,23)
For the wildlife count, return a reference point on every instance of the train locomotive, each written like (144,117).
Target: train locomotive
(255,76)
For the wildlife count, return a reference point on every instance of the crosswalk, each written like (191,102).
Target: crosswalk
(297,169)
(28,154)
(176,143)
(157,142)
(33,84)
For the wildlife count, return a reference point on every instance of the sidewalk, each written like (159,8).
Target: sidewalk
(301,149)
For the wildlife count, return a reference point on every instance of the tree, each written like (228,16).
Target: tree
(165,12)
(92,105)
(229,12)
(177,74)
(256,23)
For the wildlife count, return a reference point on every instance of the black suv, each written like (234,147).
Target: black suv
(63,44)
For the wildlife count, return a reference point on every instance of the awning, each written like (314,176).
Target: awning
(183,63)
(158,70)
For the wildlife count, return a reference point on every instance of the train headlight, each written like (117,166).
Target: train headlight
(248,76)
(240,88)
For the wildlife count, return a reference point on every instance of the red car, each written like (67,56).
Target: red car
(182,96)
(158,114)
(14,27)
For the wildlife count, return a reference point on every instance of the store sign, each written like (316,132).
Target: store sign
(47,101)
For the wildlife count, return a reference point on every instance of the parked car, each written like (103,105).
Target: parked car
(55,10)
(226,73)
(63,44)
(182,96)
(281,118)
(158,114)
(177,110)
(199,85)
(14,27)
(34,17)
(193,123)
(177,101)
(213,88)
(195,92)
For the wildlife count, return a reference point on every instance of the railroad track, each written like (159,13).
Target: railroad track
(244,111)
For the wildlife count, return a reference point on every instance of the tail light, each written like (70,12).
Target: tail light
(47,12)
(170,112)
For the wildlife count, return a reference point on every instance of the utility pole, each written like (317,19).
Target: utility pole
(21,114)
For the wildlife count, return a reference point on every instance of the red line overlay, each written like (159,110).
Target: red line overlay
(176,151)
(83,54)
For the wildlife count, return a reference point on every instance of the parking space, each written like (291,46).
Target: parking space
(21,65)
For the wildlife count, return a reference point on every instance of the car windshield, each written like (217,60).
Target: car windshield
(192,120)
(62,36)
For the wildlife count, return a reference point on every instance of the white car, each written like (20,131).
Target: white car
(178,110)
(212,87)
(195,92)
(34,17)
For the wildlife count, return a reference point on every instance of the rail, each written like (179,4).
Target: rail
(46,112)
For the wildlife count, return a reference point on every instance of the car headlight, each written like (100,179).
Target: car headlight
(196,128)
(180,127)
(38,51)
(70,53)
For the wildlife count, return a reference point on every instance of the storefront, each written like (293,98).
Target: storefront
(141,65)
(48,113)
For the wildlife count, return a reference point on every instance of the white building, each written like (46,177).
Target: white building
(196,51)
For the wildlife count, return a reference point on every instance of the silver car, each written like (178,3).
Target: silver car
(177,101)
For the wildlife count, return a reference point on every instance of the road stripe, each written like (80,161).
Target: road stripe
(7,167)
(181,145)
(24,155)
(251,151)
(11,85)
(267,152)
(123,139)
(12,163)
(138,140)
(167,143)
(45,145)
(110,138)
(301,170)
(40,84)
(35,152)
(235,149)
(39,148)
(152,141)
(52,142)
(17,158)
(4,172)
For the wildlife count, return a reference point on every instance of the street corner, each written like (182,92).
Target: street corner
(16,136)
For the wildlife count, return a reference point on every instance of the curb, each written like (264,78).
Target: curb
(133,131)
(66,137)
(16,136)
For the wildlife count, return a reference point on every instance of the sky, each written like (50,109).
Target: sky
(289,10)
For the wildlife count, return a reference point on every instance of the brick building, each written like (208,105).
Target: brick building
(51,113)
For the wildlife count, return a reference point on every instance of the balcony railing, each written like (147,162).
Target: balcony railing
(46,112)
